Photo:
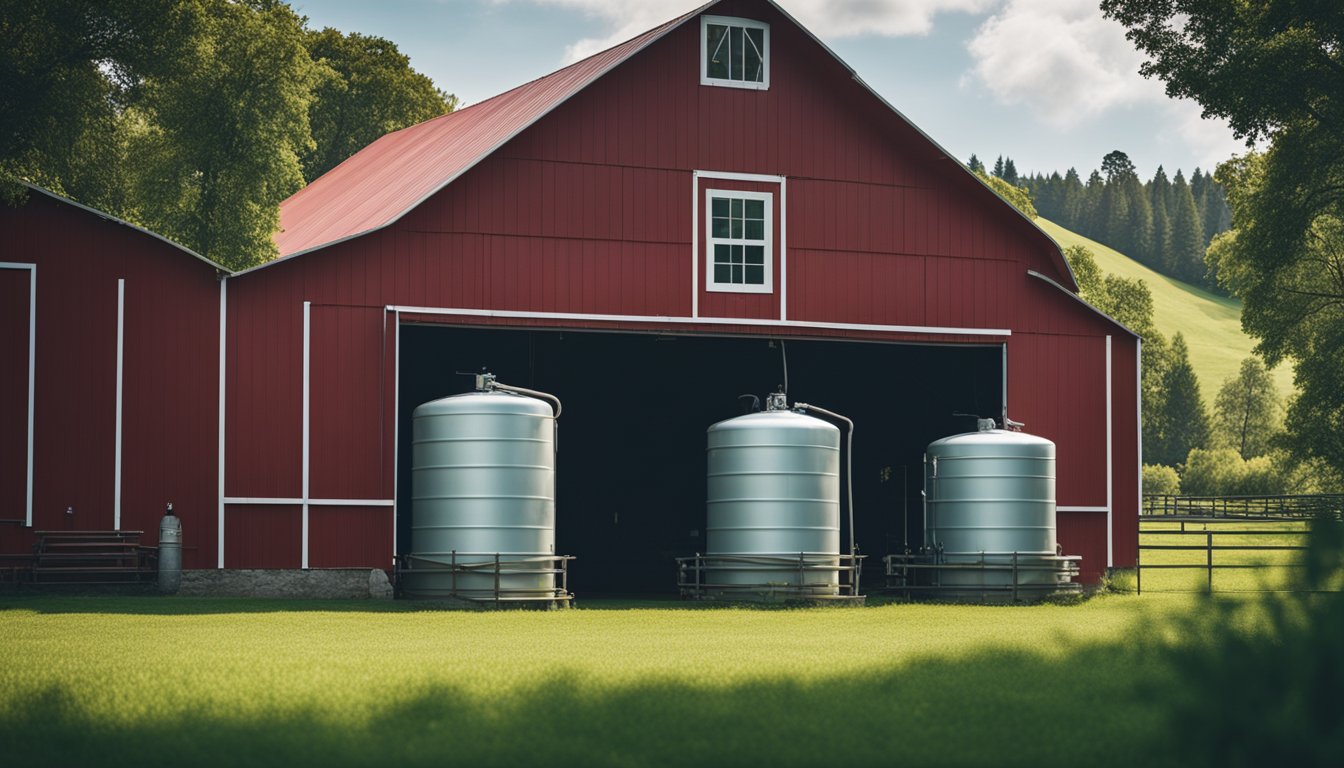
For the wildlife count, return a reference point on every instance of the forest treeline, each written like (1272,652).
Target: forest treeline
(193,118)
(1165,223)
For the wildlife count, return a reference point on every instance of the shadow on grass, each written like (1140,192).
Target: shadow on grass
(1090,707)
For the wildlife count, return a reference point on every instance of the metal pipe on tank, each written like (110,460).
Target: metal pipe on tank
(849,460)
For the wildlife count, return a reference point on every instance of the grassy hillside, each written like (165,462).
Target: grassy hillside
(1211,323)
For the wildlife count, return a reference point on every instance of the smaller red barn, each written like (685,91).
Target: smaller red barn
(109,377)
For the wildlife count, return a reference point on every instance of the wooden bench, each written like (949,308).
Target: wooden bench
(92,557)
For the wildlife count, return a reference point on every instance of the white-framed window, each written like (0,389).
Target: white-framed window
(739,234)
(734,52)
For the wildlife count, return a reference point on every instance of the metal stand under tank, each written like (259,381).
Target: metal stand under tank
(773,509)
(483,500)
(989,527)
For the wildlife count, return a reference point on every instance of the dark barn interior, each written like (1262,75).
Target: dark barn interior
(630,484)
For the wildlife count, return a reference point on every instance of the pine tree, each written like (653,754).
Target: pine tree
(975,165)
(1009,172)
(1187,236)
(1071,201)
(1159,197)
(1090,218)
(1182,421)
(998,167)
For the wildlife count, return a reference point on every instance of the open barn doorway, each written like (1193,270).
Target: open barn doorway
(630,484)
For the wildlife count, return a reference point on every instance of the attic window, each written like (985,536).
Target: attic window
(734,52)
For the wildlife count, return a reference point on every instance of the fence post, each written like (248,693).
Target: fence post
(1209,544)
(1138,569)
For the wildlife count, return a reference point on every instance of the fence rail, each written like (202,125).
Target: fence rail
(1286,506)
(1207,543)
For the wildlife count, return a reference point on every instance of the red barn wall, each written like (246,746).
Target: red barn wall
(169,385)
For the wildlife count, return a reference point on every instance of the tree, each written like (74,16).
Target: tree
(67,70)
(1273,71)
(998,167)
(1185,250)
(366,88)
(1159,197)
(1009,172)
(1182,422)
(1071,200)
(1246,413)
(976,166)
(222,134)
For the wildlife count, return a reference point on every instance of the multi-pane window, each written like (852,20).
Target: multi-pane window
(738,240)
(734,52)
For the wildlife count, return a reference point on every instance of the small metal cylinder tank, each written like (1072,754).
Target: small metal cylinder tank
(483,487)
(170,552)
(773,495)
(990,499)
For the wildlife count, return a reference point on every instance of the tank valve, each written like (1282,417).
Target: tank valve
(777,401)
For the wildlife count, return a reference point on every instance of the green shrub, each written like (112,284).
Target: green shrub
(1222,472)
(1161,479)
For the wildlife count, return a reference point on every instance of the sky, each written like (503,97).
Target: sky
(1049,83)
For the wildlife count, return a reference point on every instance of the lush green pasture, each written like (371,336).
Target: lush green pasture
(1211,323)
(184,682)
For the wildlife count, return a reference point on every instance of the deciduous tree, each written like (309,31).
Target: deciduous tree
(1247,411)
(1275,72)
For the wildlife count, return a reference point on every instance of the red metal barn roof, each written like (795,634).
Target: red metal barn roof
(380,183)
(387,179)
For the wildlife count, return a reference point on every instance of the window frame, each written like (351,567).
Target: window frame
(768,241)
(733,21)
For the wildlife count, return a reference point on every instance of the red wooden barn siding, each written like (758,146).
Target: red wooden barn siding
(170,377)
(590,211)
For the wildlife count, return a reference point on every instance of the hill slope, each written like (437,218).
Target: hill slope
(1211,323)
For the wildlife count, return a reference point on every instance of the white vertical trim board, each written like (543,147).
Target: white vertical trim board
(1110,469)
(783,249)
(223,357)
(695,245)
(121,347)
(32,379)
(307,354)
(396,431)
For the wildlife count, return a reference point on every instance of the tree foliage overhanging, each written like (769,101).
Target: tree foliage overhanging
(193,118)
(1275,71)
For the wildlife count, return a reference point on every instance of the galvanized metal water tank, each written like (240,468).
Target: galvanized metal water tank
(483,486)
(991,494)
(773,499)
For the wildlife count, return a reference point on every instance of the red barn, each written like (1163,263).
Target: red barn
(109,377)
(717,206)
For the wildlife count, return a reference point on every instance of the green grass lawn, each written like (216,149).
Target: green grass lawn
(159,681)
(1211,323)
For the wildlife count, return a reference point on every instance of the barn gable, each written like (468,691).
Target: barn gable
(397,173)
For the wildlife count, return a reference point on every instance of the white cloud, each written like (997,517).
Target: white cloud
(1059,58)
(1210,140)
(829,19)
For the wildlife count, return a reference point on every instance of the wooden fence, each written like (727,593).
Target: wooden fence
(1287,506)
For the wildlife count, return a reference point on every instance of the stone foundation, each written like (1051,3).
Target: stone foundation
(316,583)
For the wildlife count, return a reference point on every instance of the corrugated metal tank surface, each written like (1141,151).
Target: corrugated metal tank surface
(483,484)
(774,491)
(991,493)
